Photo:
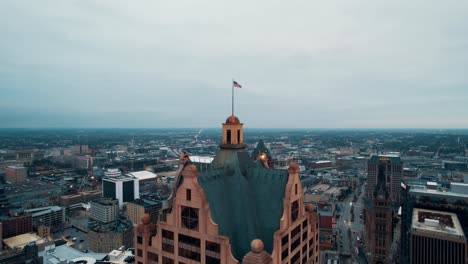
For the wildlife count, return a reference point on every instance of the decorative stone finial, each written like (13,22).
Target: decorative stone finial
(257,246)
(184,158)
(146,219)
(293,167)
(310,208)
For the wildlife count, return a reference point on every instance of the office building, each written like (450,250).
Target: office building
(437,237)
(16,174)
(238,210)
(418,194)
(51,216)
(107,237)
(17,222)
(124,188)
(104,210)
(136,209)
(383,200)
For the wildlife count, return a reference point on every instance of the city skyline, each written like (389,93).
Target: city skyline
(168,65)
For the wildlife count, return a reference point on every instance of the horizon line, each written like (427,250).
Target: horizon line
(249,128)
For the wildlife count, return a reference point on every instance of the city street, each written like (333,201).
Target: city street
(351,227)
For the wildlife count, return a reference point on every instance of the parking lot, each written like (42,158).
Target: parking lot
(81,242)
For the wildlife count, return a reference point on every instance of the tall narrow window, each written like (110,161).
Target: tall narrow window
(189,195)
(295,188)
(294,210)
(238,137)
(228,136)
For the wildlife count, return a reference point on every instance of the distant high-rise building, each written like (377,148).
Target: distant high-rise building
(239,210)
(391,167)
(437,237)
(124,188)
(383,199)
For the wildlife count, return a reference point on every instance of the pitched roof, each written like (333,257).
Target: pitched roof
(246,200)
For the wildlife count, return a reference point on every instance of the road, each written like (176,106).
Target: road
(350,229)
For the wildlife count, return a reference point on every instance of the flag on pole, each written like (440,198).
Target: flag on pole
(235,84)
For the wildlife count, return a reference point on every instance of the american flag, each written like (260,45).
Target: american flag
(235,84)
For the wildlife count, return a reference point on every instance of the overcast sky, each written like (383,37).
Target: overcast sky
(302,64)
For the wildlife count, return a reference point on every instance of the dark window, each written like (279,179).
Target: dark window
(285,254)
(139,253)
(285,240)
(296,257)
(168,247)
(190,217)
(168,241)
(238,137)
(108,189)
(295,189)
(304,224)
(167,234)
(192,241)
(128,191)
(295,231)
(139,240)
(294,210)
(153,257)
(304,236)
(295,244)
(189,195)
(212,260)
(228,136)
(189,247)
(212,246)
(304,259)
(167,261)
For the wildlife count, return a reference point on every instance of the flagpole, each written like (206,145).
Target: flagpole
(232,97)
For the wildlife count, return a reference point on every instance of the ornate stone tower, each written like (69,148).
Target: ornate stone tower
(233,134)
(238,210)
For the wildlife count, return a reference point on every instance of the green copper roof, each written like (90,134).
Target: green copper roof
(246,200)
(261,147)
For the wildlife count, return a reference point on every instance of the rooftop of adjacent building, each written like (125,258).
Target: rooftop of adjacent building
(118,226)
(143,175)
(454,193)
(64,252)
(201,159)
(105,201)
(18,242)
(436,222)
(16,167)
(43,210)
(122,178)
(393,157)
(146,203)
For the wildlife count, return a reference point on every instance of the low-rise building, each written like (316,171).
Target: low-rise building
(107,237)
(51,216)
(104,210)
(16,174)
